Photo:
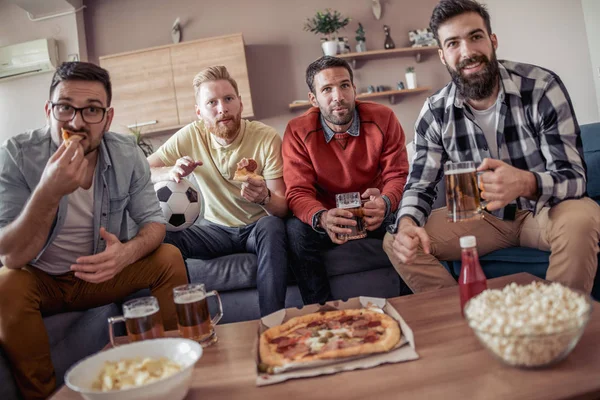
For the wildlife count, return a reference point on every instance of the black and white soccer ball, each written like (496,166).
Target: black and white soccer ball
(180,203)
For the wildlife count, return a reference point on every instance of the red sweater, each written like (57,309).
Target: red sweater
(314,171)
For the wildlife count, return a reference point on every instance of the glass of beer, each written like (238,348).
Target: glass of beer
(193,316)
(142,320)
(462,192)
(352,202)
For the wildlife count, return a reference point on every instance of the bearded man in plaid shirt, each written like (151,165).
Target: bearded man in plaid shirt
(517,122)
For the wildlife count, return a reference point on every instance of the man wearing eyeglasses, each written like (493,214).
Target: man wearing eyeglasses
(64,242)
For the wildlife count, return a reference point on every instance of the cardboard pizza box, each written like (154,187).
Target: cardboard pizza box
(403,351)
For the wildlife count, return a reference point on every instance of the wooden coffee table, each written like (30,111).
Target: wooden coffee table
(453,365)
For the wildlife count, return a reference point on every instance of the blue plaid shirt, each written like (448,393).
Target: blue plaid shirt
(537,131)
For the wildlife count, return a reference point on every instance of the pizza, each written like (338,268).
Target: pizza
(245,170)
(68,135)
(328,335)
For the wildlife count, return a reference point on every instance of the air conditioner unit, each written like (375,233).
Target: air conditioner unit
(28,58)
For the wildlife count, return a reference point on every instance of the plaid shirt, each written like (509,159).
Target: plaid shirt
(537,131)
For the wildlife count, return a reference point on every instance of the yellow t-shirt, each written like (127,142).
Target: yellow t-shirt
(223,203)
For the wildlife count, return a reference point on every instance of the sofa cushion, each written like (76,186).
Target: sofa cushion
(590,136)
(238,271)
(231,272)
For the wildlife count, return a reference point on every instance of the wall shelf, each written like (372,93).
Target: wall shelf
(417,52)
(392,94)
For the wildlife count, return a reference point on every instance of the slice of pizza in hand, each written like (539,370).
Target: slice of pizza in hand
(245,170)
(327,335)
(68,136)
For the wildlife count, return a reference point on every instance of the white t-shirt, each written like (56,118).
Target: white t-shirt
(75,239)
(488,122)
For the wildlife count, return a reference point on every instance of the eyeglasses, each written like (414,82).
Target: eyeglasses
(66,113)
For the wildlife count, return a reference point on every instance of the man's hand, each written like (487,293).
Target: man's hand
(501,183)
(374,209)
(65,171)
(331,221)
(407,240)
(183,167)
(103,266)
(254,190)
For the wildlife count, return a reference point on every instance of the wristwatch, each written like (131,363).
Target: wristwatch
(267,198)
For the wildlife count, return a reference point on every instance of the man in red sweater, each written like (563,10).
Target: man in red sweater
(340,145)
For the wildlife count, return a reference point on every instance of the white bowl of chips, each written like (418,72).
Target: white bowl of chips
(150,369)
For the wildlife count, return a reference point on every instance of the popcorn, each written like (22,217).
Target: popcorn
(135,372)
(531,325)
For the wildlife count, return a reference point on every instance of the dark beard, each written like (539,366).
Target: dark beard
(224,132)
(478,86)
(331,118)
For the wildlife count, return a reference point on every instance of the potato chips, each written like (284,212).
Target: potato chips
(128,373)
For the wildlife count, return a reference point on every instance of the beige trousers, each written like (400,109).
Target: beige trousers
(570,230)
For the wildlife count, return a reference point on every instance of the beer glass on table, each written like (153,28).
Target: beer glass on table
(142,320)
(193,316)
(353,203)
(462,192)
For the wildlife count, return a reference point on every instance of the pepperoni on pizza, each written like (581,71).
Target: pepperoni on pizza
(245,170)
(328,335)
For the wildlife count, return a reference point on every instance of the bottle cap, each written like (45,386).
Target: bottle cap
(468,241)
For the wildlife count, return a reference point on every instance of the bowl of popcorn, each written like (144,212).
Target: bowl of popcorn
(529,326)
(150,369)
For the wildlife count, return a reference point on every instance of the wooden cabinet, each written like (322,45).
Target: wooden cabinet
(188,59)
(152,88)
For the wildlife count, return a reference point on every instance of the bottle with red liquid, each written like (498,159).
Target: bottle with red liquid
(471,281)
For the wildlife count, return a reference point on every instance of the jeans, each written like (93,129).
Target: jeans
(306,258)
(266,238)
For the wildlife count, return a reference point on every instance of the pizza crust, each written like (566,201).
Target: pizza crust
(68,136)
(245,170)
(242,175)
(386,341)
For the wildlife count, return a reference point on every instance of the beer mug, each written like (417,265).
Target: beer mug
(352,202)
(193,316)
(462,192)
(142,320)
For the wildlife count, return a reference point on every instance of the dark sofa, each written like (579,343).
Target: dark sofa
(356,268)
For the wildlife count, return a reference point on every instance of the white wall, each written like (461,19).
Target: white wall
(550,33)
(591,14)
(22,99)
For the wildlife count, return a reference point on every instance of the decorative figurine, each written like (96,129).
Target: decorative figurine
(360,39)
(389,43)
(422,38)
(176,31)
(400,86)
(370,89)
(376,6)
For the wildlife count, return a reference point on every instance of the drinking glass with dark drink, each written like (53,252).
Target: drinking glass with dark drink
(142,320)
(352,202)
(193,316)
(462,192)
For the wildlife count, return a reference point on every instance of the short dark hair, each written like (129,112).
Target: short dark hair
(82,71)
(322,63)
(447,9)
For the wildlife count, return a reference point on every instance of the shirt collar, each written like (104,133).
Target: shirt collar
(507,87)
(353,130)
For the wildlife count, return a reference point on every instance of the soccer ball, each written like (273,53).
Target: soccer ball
(179,202)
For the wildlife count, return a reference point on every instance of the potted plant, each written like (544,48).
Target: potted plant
(411,78)
(144,145)
(360,39)
(327,23)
